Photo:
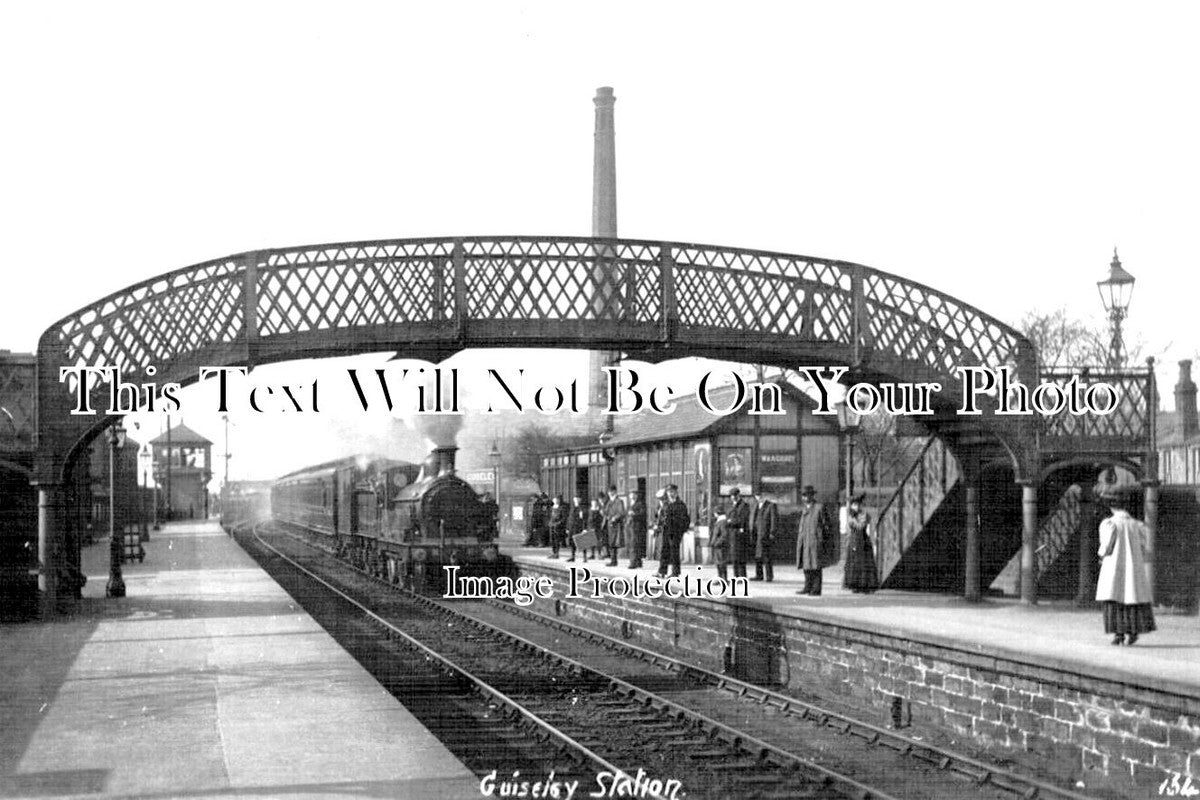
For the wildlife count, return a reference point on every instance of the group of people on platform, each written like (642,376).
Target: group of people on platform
(608,525)
(740,532)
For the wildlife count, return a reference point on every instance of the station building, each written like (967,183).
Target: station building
(707,455)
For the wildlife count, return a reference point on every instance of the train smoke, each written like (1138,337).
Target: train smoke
(439,430)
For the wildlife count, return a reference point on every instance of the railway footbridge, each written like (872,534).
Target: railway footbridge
(431,297)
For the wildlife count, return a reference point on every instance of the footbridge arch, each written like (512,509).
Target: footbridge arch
(431,297)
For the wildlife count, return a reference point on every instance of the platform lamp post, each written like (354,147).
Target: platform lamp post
(225,483)
(116,583)
(496,455)
(145,456)
(1115,293)
(156,471)
(850,421)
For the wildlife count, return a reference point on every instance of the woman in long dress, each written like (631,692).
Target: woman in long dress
(1123,586)
(860,575)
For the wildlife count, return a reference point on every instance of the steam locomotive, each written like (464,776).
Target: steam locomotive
(397,520)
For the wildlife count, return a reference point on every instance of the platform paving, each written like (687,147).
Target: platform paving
(1055,634)
(207,680)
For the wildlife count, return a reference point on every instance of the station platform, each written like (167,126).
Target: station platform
(206,681)
(1051,633)
(1041,684)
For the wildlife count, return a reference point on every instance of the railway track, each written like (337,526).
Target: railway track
(477,722)
(738,739)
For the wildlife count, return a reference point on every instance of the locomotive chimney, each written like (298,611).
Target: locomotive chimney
(444,459)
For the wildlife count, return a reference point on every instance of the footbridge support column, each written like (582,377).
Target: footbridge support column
(1150,517)
(971,587)
(50,498)
(1029,532)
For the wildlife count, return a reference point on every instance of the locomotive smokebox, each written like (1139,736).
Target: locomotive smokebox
(441,461)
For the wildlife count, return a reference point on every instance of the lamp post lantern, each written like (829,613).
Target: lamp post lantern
(116,583)
(849,421)
(1115,293)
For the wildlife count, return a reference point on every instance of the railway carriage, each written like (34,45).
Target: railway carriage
(397,520)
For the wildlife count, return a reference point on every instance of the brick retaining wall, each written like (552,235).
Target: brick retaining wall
(1083,727)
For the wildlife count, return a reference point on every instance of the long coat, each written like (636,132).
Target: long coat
(737,523)
(673,519)
(817,543)
(614,521)
(635,527)
(577,520)
(764,524)
(860,571)
(1123,549)
(559,516)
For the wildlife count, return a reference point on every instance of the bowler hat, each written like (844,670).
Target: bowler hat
(736,492)
(808,491)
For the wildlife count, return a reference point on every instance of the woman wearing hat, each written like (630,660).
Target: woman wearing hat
(1123,586)
(860,575)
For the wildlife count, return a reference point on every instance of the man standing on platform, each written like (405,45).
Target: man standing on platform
(541,520)
(673,523)
(636,530)
(577,523)
(817,543)
(763,524)
(559,514)
(530,513)
(737,527)
(614,522)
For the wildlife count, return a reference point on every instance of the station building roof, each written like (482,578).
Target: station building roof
(689,419)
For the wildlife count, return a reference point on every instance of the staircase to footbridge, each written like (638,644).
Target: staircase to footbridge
(429,298)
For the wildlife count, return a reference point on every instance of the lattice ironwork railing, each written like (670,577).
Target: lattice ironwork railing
(932,477)
(677,286)
(1055,531)
(1057,528)
(914,322)
(17,423)
(155,322)
(1131,420)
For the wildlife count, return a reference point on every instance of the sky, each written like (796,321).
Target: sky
(997,152)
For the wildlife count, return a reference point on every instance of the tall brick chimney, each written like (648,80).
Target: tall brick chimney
(604,225)
(1185,401)
(604,167)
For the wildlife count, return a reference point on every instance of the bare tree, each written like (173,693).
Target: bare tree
(522,456)
(1062,340)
